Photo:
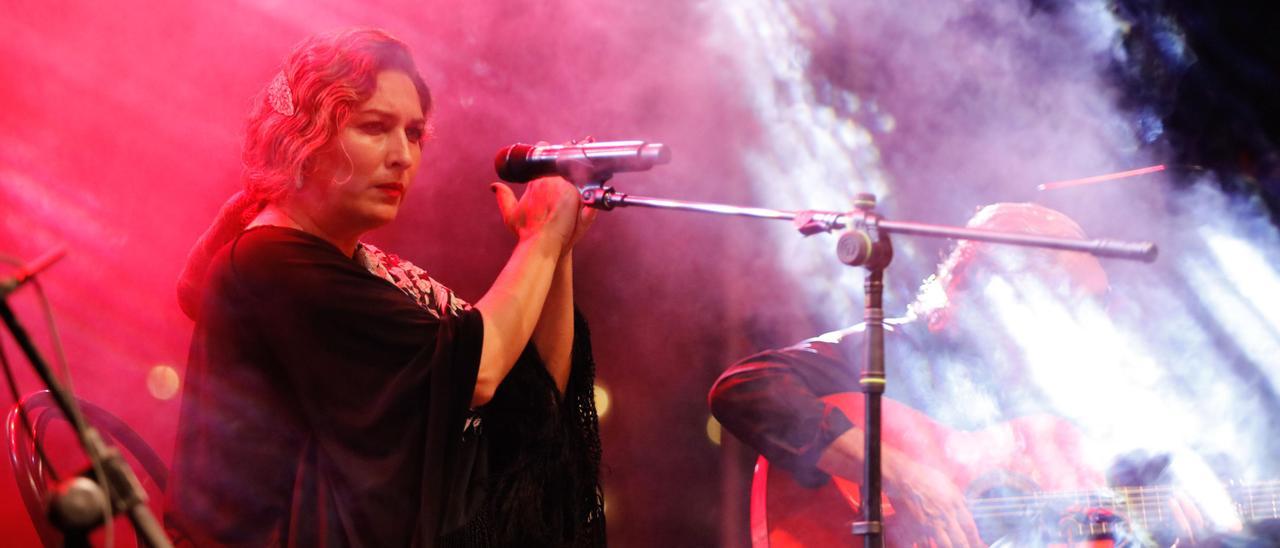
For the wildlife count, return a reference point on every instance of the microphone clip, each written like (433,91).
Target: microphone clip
(596,195)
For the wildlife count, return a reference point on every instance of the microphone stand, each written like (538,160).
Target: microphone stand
(866,243)
(810,222)
(126,494)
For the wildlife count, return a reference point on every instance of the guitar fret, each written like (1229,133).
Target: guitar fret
(1159,510)
(1121,498)
(1126,502)
(1240,495)
(1142,492)
(1246,503)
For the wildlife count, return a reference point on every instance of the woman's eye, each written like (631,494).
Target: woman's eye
(414,134)
(373,128)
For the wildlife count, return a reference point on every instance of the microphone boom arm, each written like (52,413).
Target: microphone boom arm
(813,221)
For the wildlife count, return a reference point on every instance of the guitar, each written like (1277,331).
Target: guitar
(1021,473)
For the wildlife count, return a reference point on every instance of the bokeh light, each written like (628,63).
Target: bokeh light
(603,400)
(163,382)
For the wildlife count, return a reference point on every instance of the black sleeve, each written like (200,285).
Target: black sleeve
(771,401)
(384,385)
(351,343)
(543,458)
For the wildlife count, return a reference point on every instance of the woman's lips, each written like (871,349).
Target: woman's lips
(393,189)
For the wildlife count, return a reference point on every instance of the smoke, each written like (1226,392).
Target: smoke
(121,136)
(940,108)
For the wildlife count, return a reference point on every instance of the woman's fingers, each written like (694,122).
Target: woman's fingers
(507,203)
(561,203)
(586,217)
(548,205)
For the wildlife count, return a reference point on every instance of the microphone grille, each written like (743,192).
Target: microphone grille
(512,163)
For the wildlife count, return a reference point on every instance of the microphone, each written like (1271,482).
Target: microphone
(9,285)
(579,163)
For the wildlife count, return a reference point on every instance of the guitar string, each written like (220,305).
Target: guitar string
(1159,497)
(1144,497)
(1131,493)
(1130,502)
(1266,485)
(1252,508)
(1252,513)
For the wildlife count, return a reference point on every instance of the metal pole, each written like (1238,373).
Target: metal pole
(824,221)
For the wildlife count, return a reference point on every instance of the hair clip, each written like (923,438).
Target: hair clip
(280,96)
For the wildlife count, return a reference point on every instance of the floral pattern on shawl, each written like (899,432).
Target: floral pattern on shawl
(431,295)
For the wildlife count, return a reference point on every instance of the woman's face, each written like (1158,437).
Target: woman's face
(359,179)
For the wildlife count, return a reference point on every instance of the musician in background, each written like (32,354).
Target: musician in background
(944,359)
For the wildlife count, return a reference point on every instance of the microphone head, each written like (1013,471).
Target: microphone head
(512,164)
(577,162)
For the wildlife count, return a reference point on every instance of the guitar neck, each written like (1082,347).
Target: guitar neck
(1144,507)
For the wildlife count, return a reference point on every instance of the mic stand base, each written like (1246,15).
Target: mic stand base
(126,493)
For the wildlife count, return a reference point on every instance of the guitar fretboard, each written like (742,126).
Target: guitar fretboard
(1143,507)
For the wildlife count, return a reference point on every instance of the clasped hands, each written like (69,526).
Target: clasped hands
(550,208)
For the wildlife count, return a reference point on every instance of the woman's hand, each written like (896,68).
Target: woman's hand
(586,218)
(548,219)
(550,207)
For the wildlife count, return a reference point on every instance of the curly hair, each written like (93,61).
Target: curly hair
(327,77)
(324,79)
